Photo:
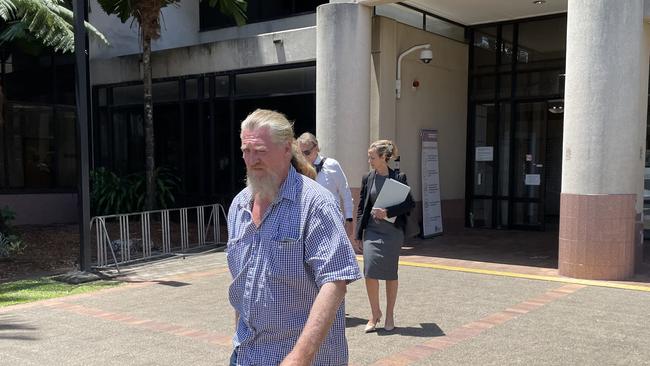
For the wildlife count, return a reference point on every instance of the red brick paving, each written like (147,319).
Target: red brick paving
(422,351)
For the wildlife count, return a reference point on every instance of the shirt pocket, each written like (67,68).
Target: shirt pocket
(287,261)
(237,253)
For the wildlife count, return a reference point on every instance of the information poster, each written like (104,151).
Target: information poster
(431,210)
(484,153)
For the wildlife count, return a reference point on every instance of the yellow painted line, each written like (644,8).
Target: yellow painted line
(525,276)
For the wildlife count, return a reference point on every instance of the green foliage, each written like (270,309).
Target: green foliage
(126,9)
(44,288)
(7,215)
(112,194)
(10,243)
(47,21)
(235,9)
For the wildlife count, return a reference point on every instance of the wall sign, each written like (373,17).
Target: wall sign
(431,210)
(532,180)
(484,153)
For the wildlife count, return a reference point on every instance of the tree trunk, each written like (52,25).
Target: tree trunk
(149,148)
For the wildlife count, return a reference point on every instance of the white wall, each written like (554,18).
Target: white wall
(42,209)
(180,28)
(296,46)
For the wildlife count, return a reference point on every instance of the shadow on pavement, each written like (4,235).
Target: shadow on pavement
(525,248)
(425,330)
(10,328)
(353,321)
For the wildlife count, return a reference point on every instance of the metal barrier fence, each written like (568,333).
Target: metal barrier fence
(131,237)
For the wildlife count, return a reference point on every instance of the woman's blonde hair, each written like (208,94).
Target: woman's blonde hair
(385,148)
(301,164)
(281,131)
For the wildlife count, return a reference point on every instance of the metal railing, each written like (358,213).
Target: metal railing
(136,236)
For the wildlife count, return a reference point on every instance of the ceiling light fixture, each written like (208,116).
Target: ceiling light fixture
(556,106)
(539,2)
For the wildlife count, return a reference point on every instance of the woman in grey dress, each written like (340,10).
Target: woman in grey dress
(382,239)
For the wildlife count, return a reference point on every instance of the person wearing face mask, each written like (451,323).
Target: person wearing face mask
(381,239)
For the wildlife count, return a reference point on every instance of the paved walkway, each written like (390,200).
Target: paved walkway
(449,311)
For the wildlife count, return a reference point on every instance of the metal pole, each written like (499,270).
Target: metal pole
(80,10)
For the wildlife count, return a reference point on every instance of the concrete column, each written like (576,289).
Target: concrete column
(343,40)
(605,114)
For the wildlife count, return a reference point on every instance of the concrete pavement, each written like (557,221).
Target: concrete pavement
(176,312)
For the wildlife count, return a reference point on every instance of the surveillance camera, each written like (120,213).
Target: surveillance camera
(426,55)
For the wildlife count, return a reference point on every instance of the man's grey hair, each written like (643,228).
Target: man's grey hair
(308,138)
(280,129)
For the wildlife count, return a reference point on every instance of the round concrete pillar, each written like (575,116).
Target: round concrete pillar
(603,154)
(343,40)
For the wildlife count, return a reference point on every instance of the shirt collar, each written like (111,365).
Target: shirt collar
(289,189)
(318,159)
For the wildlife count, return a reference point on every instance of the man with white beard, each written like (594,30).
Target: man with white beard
(288,254)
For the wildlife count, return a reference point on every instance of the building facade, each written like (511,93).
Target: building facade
(540,106)
(518,68)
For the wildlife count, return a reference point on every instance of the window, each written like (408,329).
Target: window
(277,81)
(38,150)
(257,11)
(422,20)
(196,123)
(444,28)
(542,44)
(401,14)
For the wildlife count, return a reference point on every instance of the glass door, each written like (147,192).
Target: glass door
(528,176)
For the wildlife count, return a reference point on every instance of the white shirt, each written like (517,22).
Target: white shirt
(333,178)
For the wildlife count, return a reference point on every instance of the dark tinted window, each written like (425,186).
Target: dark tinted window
(37,128)
(258,11)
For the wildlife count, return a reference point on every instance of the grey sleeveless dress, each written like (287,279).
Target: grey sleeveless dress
(382,242)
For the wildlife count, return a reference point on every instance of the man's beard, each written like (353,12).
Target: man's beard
(265,187)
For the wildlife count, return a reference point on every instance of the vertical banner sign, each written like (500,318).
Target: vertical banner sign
(431,210)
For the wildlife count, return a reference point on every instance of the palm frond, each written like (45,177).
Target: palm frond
(49,21)
(67,14)
(13,31)
(7,9)
(235,9)
(124,9)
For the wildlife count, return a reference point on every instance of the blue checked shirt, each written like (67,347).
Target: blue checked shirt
(278,269)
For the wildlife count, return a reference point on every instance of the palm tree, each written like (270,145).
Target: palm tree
(49,22)
(147,15)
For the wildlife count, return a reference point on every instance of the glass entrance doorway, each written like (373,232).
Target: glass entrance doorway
(517,166)
(514,155)
(537,168)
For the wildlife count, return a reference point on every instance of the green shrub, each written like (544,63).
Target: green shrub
(10,243)
(7,215)
(112,194)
